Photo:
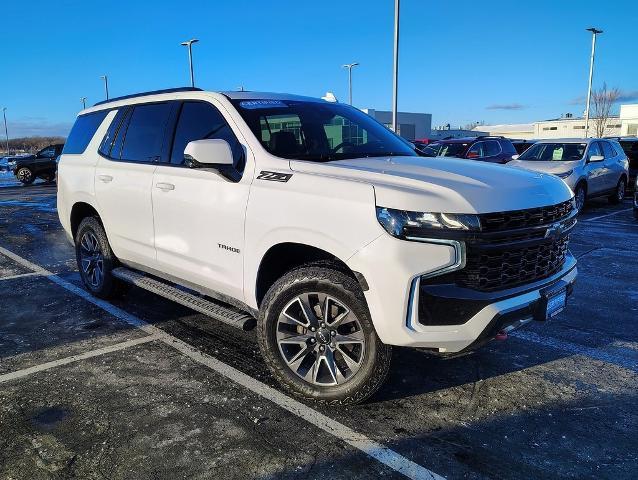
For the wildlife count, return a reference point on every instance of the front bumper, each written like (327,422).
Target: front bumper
(400,272)
(470,318)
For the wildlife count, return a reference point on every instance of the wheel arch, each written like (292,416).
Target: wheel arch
(79,212)
(283,257)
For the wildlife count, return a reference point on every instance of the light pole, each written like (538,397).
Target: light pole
(594,32)
(83,100)
(6,132)
(349,67)
(189,44)
(106,85)
(395,83)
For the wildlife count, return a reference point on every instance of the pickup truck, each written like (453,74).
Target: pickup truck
(314,223)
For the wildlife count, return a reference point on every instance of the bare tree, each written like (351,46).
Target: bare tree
(603,101)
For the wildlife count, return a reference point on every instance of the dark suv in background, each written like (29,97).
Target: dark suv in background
(486,149)
(42,164)
(630,147)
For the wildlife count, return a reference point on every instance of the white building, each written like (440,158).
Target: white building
(625,124)
(629,120)
(411,125)
(524,131)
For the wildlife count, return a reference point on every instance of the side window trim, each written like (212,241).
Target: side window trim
(125,121)
(173,131)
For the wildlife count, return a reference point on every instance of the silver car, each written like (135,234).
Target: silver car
(592,167)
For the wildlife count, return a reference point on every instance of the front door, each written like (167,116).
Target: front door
(595,170)
(199,214)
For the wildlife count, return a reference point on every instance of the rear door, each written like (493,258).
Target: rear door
(613,169)
(131,150)
(199,214)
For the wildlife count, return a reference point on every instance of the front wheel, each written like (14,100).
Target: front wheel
(316,335)
(25,175)
(619,193)
(580,196)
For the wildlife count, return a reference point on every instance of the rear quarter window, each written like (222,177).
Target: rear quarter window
(82,132)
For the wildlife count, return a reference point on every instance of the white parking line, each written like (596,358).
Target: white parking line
(20,275)
(607,215)
(383,454)
(595,353)
(75,358)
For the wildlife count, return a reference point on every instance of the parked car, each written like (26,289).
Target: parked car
(41,165)
(630,146)
(486,149)
(340,242)
(591,167)
(522,145)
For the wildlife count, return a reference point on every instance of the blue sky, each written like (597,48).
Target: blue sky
(492,61)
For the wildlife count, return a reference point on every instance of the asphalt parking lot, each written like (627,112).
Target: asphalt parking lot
(146,389)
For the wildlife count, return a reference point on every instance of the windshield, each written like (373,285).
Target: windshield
(317,131)
(444,150)
(554,152)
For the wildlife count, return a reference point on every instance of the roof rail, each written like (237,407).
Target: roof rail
(152,92)
(490,136)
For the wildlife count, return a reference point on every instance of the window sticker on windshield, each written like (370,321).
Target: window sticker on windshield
(253,104)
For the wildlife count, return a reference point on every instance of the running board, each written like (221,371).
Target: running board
(219,311)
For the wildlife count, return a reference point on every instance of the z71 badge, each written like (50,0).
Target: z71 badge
(274,176)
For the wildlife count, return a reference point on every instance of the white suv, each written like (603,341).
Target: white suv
(316,220)
(592,167)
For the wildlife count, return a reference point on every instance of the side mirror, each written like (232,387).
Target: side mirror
(515,157)
(596,158)
(210,153)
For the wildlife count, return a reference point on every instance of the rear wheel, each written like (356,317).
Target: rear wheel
(316,335)
(619,194)
(95,259)
(25,175)
(580,196)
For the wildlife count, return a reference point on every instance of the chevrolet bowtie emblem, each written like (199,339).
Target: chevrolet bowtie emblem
(554,230)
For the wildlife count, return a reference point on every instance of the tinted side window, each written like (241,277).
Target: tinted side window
(492,148)
(608,150)
(477,150)
(83,131)
(48,152)
(594,149)
(109,137)
(198,121)
(145,133)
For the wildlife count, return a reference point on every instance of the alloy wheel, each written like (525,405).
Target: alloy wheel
(320,339)
(24,175)
(91,259)
(620,191)
(580,199)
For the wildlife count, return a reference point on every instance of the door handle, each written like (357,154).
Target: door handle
(165,187)
(105,178)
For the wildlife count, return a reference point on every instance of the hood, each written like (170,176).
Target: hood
(442,184)
(545,167)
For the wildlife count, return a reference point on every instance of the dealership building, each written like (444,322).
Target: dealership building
(624,124)
(411,125)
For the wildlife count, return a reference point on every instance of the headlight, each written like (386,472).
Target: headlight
(414,225)
(565,174)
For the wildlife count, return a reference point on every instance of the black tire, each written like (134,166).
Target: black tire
(580,195)
(330,280)
(48,177)
(25,175)
(619,194)
(108,286)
